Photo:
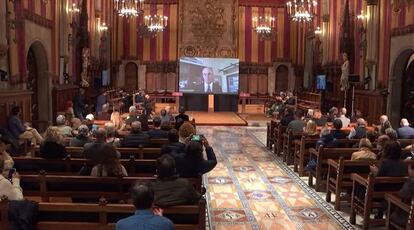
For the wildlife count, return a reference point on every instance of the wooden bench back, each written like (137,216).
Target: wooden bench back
(84,187)
(82,216)
(72,166)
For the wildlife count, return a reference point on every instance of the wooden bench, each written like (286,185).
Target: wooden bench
(321,157)
(103,216)
(270,133)
(301,152)
(126,153)
(289,146)
(278,138)
(84,187)
(72,166)
(339,177)
(394,201)
(308,100)
(374,189)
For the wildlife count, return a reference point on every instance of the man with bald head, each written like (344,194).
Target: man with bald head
(136,138)
(384,124)
(207,85)
(405,131)
(92,151)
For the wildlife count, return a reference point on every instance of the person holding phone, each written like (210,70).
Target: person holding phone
(191,163)
(10,188)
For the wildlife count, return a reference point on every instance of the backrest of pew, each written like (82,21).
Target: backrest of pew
(138,153)
(65,216)
(46,186)
(68,166)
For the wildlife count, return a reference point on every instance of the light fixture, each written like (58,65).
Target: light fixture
(264,26)
(155,23)
(318,31)
(103,27)
(302,10)
(129,8)
(73,13)
(362,18)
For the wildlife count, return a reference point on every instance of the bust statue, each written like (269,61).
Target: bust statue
(345,72)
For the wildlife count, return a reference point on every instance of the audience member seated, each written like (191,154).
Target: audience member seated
(117,120)
(332,114)
(357,115)
(320,119)
(343,118)
(166,116)
(391,163)
(326,139)
(411,156)
(405,131)
(169,189)
(20,130)
(74,124)
(384,124)
(186,130)
(63,128)
(309,115)
(391,133)
(89,121)
(290,99)
(12,189)
(310,129)
(104,114)
(82,138)
(287,117)
(181,118)
(133,116)
(136,137)
(143,118)
(53,146)
(297,124)
(406,194)
(192,164)
(166,126)
(69,113)
(156,131)
(380,144)
(111,135)
(109,164)
(174,146)
(336,131)
(360,131)
(92,150)
(364,151)
(145,217)
(5,156)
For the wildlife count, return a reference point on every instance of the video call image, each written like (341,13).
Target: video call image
(209,75)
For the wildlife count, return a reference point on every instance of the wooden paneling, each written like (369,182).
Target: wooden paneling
(371,103)
(9,98)
(62,94)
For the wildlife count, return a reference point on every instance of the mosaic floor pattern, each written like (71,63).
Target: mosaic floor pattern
(252,189)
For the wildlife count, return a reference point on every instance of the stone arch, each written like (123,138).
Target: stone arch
(131,75)
(395,85)
(282,78)
(39,82)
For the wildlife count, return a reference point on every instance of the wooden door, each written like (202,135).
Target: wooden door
(131,76)
(282,79)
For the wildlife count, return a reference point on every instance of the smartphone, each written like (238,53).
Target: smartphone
(196,137)
(11,172)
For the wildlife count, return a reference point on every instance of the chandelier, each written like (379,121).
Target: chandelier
(264,26)
(302,10)
(129,8)
(155,23)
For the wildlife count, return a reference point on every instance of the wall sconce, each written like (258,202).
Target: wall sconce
(318,31)
(102,26)
(362,18)
(73,14)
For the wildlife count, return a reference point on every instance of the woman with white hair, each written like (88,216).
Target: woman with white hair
(111,135)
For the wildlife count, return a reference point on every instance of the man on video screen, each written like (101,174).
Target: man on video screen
(208,85)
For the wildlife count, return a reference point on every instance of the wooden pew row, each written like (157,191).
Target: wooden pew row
(102,216)
(270,133)
(301,153)
(72,166)
(126,153)
(394,201)
(373,189)
(83,187)
(289,145)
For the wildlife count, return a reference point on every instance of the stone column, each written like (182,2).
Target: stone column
(142,80)
(325,31)
(372,28)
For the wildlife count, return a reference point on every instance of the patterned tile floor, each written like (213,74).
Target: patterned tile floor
(251,189)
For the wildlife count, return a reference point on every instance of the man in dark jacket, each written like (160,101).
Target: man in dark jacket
(92,151)
(174,146)
(169,189)
(405,131)
(136,138)
(156,131)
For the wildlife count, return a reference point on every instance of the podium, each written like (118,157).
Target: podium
(211,103)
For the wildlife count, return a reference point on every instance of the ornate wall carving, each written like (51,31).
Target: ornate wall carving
(207,28)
